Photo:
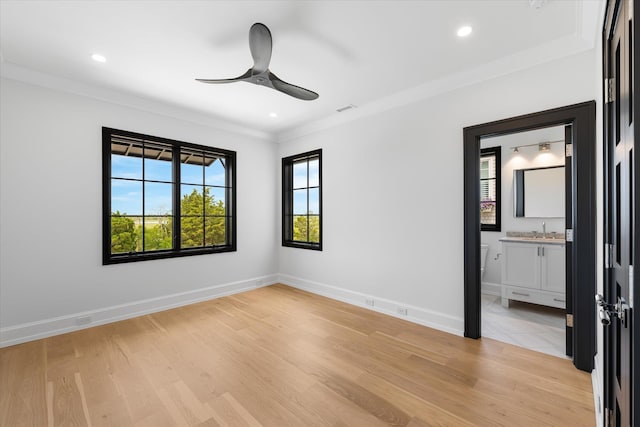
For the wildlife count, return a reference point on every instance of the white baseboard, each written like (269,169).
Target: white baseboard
(598,390)
(489,288)
(433,319)
(59,325)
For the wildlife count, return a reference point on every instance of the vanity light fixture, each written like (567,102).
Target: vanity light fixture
(98,58)
(273,115)
(542,146)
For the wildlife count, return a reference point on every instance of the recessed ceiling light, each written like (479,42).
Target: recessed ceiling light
(464,31)
(273,114)
(98,58)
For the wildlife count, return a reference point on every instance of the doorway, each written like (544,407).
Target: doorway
(581,272)
(523,245)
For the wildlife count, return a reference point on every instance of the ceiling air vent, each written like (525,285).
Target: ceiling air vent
(345,108)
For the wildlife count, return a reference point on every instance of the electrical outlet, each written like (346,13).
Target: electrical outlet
(83,320)
(403,311)
(370,302)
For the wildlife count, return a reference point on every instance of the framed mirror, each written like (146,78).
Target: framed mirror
(539,192)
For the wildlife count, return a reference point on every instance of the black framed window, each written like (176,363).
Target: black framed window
(490,188)
(164,198)
(302,200)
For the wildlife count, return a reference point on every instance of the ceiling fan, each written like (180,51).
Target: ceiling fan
(260,44)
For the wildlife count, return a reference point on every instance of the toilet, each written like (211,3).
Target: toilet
(484,249)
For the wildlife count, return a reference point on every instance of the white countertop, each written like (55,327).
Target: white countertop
(546,241)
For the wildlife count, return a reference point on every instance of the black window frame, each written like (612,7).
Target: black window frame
(496,152)
(287,200)
(176,250)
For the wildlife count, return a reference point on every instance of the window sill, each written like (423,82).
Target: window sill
(124,258)
(300,245)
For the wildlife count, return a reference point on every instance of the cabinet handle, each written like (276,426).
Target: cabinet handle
(559,300)
(520,293)
(538,250)
(542,250)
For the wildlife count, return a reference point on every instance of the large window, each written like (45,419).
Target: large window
(302,200)
(165,198)
(490,167)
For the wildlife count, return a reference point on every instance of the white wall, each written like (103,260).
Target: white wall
(51,211)
(393,192)
(527,157)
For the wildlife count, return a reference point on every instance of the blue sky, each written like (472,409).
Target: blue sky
(126,196)
(300,180)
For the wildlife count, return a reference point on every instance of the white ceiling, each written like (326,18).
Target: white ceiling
(350,52)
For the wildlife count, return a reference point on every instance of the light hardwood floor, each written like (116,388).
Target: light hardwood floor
(278,356)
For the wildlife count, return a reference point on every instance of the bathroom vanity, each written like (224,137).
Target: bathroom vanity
(533,270)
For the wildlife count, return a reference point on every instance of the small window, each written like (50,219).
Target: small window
(490,209)
(302,200)
(164,198)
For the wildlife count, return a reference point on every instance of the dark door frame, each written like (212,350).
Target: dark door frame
(582,119)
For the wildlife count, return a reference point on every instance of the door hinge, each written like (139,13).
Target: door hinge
(568,150)
(570,320)
(608,255)
(568,235)
(631,286)
(608,88)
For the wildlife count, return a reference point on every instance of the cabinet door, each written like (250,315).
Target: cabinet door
(521,265)
(553,266)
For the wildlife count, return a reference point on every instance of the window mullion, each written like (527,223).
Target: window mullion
(230,202)
(143,198)
(204,204)
(177,219)
(307,213)
(204,211)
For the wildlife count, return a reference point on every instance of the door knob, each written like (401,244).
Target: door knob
(608,310)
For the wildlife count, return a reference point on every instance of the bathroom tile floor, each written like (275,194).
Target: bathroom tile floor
(531,326)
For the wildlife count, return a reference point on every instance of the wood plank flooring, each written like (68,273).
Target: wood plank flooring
(278,356)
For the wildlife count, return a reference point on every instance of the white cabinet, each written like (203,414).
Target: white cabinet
(533,272)
(521,265)
(553,268)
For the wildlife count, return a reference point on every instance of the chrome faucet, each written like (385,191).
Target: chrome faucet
(544,230)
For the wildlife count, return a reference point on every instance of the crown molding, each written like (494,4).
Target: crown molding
(548,52)
(12,71)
